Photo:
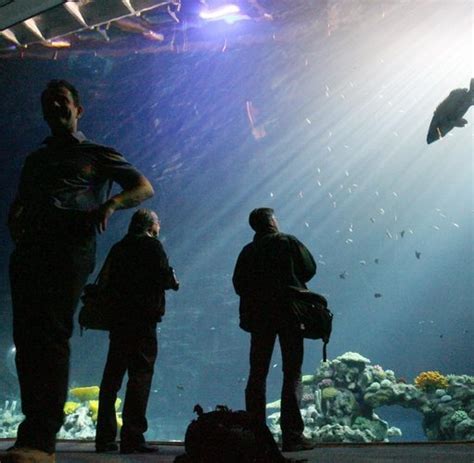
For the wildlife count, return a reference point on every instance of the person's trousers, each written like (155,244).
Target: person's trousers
(134,353)
(46,285)
(292,351)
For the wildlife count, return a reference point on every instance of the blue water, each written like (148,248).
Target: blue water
(340,154)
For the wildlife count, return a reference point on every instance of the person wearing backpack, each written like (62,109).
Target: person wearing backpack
(136,276)
(265,269)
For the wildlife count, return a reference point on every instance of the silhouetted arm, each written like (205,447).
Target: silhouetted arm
(133,194)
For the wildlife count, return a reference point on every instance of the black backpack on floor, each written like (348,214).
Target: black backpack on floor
(226,436)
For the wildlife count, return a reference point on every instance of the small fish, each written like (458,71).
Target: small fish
(376,261)
(417,254)
(372,220)
(377,295)
(387,232)
(362,262)
(402,233)
(180,387)
(343,275)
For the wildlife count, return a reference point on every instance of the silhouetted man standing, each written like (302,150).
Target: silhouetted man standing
(264,270)
(62,200)
(136,275)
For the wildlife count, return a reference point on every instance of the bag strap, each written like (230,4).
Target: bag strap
(105,266)
(96,282)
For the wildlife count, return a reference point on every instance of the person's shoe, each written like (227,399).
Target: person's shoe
(108,447)
(140,448)
(27,455)
(297,444)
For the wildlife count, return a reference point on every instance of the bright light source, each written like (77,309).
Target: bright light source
(219,13)
(57,43)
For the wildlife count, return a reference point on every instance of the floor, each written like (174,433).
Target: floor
(462,452)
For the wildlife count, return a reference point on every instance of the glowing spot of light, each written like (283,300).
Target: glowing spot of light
(222,12)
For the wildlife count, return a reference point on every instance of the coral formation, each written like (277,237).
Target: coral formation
(71,407)
(81,417)
(85,393)
(431,380)
(94,409)
(10,419)
(340,399)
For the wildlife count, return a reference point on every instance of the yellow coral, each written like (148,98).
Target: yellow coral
(428,380)
(329,393)
(118,402)
(94,409)
(71,407)
(119,420)
(85,393)
(276,404)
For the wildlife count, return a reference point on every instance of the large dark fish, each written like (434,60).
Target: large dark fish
(450,112)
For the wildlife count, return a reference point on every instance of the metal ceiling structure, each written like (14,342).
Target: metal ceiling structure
(27,22)
(58,28)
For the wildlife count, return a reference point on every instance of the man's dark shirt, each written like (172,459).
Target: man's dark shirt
(63,181)
(264,270)
(137,275)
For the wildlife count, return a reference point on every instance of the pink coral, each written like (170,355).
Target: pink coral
(326,382)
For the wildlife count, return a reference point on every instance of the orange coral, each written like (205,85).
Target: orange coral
(428,380)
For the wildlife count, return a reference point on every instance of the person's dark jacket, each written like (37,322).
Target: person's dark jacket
(136,275)
(264,270)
